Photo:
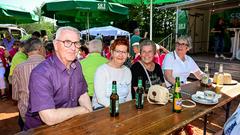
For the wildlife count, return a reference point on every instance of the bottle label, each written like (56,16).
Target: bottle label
(117,106)
(110,107)
(137,99)
(142,99)
(178,89)
(205,79)
(178,104)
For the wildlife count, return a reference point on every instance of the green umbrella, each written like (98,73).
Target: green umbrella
(90,12)
(16,15)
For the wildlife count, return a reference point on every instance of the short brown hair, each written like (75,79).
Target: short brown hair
(120,41)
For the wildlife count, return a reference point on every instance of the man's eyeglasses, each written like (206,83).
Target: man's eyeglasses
(120,52)
(68,43)
(181,44)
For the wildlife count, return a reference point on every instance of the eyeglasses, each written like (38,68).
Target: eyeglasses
(181,44)
(120,52)
(68,43)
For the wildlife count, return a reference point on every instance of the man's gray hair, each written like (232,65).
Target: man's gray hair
(186,39)
(95,46)
(147,42)
(61,29)
(32,44)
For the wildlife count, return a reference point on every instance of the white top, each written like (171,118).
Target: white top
(104,76)
(180,68)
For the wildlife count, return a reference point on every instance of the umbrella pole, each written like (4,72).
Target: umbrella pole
(176,36)
(88,26)
(151,20)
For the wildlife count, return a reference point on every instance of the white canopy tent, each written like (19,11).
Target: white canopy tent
(106,31)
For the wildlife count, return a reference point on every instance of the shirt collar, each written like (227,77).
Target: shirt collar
(177,57)
(94,54)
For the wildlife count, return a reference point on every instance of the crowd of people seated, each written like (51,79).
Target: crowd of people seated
(53,81)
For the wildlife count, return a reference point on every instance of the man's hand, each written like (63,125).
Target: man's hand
(84,101)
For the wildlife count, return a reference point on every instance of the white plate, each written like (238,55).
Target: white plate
(203,101)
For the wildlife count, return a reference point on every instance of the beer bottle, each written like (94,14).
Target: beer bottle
(139,94)
(220,75)
(205,77)
(220,79)
(177,97)
(114,101)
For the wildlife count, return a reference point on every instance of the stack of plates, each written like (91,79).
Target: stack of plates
(199,98)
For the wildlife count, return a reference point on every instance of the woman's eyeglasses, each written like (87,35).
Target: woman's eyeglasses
(181,44)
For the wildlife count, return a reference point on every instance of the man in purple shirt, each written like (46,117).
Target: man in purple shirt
(57,86)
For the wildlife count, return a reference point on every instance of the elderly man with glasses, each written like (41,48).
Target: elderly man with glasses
(58,90)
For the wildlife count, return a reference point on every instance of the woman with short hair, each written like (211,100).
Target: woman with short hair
(150,71)
(114,70)
(178,63)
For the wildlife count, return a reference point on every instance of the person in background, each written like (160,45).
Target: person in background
(219,30)
(83,52)
(234,24)
(57,88)
(159,57)
(36,34)
(8,41)
(154,71)
(49,49)
(136,50)
(135,38)
(18,58)
(114,70)
(3,64)
(44,36)
(20,78)
(14,49)
(91,63)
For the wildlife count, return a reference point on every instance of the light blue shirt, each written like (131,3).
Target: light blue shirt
(232,126)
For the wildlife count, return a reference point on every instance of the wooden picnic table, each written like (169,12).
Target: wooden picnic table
(152,119)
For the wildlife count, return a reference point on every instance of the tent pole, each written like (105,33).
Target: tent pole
(151,20)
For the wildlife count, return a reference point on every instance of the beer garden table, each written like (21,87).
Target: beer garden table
(152,119)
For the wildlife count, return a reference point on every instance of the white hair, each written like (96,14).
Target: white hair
(95,46)
(186,39)
(69,28)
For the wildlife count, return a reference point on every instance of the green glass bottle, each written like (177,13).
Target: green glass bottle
(139,94)
(177,97)
(114,101)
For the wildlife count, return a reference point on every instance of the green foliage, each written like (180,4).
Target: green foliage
(38,26)
(163,20)
(30,28)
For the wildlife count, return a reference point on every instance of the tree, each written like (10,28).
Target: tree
(163,20)
(43,24)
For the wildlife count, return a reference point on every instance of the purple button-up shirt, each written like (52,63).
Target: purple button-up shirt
(52,86)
